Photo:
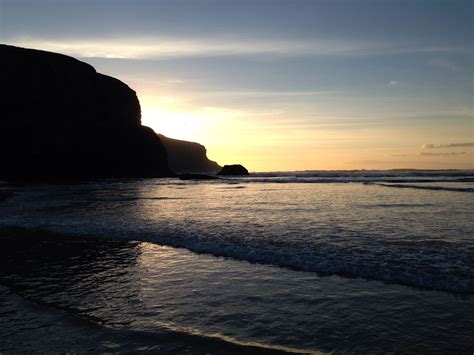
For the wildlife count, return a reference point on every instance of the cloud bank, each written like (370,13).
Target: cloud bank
(441,154)
(169,47)
(452,145)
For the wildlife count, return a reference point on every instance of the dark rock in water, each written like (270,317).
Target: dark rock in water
(196,177)
(60,119)
(188,157)
(235,169)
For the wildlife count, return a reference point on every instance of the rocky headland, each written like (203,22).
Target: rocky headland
(188,157)
(61,120)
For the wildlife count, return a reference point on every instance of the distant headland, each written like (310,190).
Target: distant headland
(188,157)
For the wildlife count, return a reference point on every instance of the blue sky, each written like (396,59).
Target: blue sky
(281,85)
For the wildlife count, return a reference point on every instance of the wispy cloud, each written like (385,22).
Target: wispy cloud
(397,155)
(393,83)
(441,154)
(421,114)
(156,48)
(452,145)
(445,64)
(175,81)
(149,48)
(271,94)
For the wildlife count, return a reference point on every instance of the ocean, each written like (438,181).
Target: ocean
(306,262)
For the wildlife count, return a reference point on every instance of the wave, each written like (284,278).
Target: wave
(397,205)
(423,266)
(426,187)
(331,179)
(372,174)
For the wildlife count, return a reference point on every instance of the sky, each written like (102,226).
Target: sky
(281,85)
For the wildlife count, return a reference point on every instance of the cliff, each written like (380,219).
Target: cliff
(188,157)
(60,119)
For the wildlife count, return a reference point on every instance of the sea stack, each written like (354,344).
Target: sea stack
(63,120)
(233,170)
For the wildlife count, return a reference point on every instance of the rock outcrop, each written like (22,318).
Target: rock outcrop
(60,119)
(188,157)
(233,170)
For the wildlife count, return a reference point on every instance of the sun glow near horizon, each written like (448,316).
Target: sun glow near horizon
(225,133)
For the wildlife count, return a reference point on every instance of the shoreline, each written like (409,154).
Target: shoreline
(99,338)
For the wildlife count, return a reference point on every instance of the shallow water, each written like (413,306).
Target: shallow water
(350,266)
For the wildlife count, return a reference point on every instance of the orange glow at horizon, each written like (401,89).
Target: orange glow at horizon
(258,142)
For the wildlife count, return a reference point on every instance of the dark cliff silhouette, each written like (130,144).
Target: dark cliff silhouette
(235,169)
(188,157)
(60,119)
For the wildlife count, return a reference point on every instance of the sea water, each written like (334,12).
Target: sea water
(349,262)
